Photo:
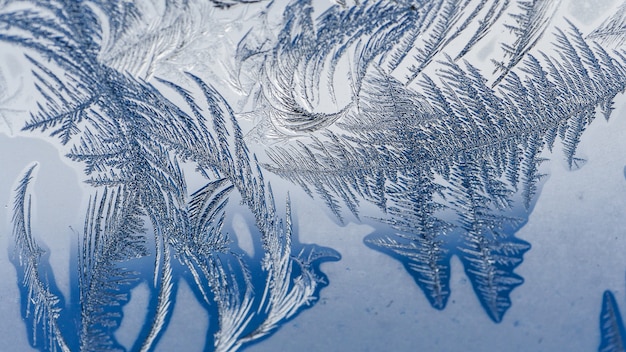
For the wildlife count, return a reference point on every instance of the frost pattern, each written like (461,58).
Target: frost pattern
(611,325)
(612,32)
(6,95)
(41,307)
(372,102)
(530,26)
(133,141)
(451,158)
(307,51)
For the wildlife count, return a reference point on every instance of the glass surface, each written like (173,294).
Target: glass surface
(284,175)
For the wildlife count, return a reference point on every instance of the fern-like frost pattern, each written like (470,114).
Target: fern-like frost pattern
(451,157)
(611,325)
(375,107)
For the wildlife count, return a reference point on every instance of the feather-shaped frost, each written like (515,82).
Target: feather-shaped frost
(484,146)
(113,235)
(612,32)
(132,141)
(611,325)
(41,303)
(530,26)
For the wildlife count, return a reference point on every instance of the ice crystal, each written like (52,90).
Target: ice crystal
(611,325)
(612,31)
(41,303)
(375,102)
(479,148)
(132,141)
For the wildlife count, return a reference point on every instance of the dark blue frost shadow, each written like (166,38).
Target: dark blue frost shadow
(611,325)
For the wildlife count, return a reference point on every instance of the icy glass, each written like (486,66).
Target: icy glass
(299,175)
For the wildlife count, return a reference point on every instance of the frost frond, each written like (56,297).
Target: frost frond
(42,306)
